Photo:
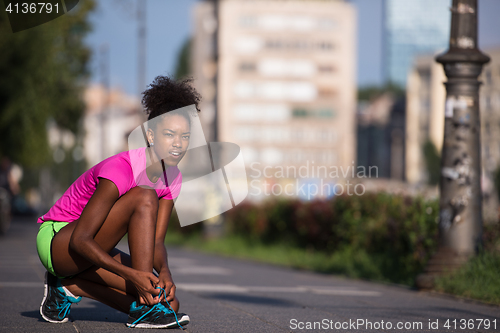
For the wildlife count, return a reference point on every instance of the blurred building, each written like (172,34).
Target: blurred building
(284,87)
(109,118)
(490,112)
(426,96)
(204,63)
(381,135)
(413,28)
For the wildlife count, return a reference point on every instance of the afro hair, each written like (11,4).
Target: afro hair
(165,94)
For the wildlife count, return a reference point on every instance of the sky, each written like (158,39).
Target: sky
(168,27)
(169,24)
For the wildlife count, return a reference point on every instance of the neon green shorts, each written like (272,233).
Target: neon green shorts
(46,233)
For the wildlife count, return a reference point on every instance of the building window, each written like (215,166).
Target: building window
(247,67)
(488,77)
(273,44)
(287,22)
(326,92)
(297,135)
(244,89)
(327,23)
(299,45)
(271,156)
(299,113)
(286,67)
(325,113)
(325,46)
(326,136)
(297,91)
(426,104)
(248,44)
(248,21)
(246,133)
(326,69)
(487,103)
(261,112)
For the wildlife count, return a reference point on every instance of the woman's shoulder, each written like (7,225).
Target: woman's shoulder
(125,157)
(119,169)
(123,164)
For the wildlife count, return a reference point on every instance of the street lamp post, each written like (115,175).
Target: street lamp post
(460,216)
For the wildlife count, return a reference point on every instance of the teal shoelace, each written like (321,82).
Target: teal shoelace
(65,307)
(161,307)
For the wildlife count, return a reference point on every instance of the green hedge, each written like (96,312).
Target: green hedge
(398,233)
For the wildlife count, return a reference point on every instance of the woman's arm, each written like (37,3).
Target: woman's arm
(82,240)
(160,255)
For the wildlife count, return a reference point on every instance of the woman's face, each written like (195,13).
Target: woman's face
(171,138)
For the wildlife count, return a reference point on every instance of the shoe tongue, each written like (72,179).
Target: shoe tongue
(73,299)
(135,305)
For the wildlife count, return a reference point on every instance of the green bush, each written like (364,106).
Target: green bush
(398,233)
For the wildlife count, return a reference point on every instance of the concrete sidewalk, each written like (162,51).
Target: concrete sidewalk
(228,295)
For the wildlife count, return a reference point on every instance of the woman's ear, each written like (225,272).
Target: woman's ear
(150,137)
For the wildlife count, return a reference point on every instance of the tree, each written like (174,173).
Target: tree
(370,92)
(183,68)
(432,162)
(42,74)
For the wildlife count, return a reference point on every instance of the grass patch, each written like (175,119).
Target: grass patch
(478,279)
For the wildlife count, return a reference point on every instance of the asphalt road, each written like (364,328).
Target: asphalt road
(227,295)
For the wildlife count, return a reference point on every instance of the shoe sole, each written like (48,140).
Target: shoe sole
(183,321)
(45,293)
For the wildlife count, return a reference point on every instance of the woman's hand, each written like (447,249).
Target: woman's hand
(167,283)
(145,283)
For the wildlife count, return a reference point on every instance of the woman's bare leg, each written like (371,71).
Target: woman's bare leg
(135,212)
(106,287)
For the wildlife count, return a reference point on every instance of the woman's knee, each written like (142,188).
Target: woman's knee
(175,304)
(144,198)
